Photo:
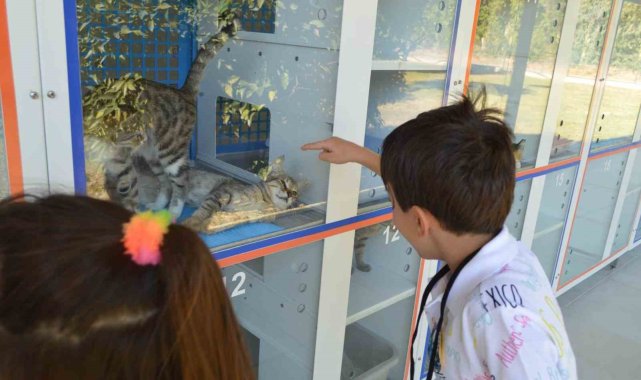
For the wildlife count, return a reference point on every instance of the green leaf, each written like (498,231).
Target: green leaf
(229,91)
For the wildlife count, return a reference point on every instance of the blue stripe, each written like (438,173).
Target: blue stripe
(610,150)
(75,97)
(234,251)
(226,253)
(547,171)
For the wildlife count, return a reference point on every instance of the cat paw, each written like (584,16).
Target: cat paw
(195,224)
(176,207)
(364,267)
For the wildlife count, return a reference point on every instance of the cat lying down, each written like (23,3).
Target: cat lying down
(221,201)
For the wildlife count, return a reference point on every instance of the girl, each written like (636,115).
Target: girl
(89,290)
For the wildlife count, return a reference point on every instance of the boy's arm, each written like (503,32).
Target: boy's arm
(338,151)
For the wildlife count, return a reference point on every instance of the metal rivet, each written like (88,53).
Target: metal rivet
(555,23)
(518,212)
(558,6)
(300,308)
(567,182)
(552,39)
(441,5)
(516,225)
(521,198)
(34,94)
(282,305)
(322,14)
(408,251)
(302,287)
(602,116)
(260,53)
(561,123)
(303,267)
(605,14)
(562,206)
(439,27)
(372,193)
(51,94)
(406,268)
(296,58)
(373,173)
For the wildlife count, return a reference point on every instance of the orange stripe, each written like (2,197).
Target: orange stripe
(417,299)
(565,254)
(547,167)
(612,153)
(470,52)
(9,113)
(261,252)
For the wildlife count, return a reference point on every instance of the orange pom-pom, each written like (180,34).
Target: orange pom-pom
(143,236)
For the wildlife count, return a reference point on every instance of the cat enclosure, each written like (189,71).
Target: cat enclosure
(563,72)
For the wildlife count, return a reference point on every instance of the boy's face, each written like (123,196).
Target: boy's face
(413,227)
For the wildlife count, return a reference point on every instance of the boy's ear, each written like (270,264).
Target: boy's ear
(424,220)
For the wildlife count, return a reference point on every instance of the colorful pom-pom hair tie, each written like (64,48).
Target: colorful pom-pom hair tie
(143,236)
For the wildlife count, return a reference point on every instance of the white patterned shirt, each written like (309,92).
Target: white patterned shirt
(502,321)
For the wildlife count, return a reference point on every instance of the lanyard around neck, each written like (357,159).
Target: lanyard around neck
(430,286)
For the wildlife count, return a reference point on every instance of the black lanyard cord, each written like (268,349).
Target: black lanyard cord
(430,286)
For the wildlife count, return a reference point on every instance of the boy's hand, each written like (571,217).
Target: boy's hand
(335,150)
(338,151)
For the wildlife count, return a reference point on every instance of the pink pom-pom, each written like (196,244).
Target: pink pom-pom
(143,236)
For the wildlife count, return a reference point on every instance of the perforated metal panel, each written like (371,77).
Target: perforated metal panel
(261,20)
(163,55)
(235,135)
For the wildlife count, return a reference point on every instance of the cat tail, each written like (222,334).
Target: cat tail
(229,19)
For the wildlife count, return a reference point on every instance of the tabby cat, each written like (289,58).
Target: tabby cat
(168,116)
(518,149)
(209,192)
(360,240)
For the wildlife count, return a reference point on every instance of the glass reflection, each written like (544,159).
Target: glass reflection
(514,54)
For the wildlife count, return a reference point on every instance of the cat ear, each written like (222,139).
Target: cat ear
(276,168)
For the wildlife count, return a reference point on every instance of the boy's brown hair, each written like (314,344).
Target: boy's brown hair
(74,306)
(456,162)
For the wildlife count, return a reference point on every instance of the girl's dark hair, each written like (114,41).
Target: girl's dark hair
(457,162)
(73,305)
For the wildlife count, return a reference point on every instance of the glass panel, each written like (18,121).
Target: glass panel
(415,31)
(394,97)
(550,224)
(275,299)
(516,217)
(514,54)
(264,93)
(411,51)
(594,215)
(581,77)
(4,173)
(621,103)
(630,204)
(381,303)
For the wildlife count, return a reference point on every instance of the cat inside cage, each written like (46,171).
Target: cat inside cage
(139,117)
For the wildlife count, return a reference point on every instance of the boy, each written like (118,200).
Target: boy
(492,314)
